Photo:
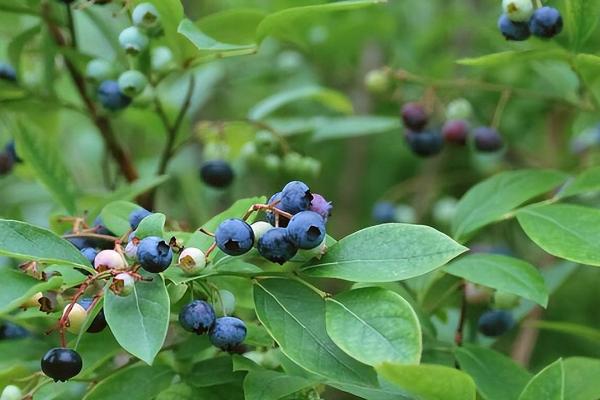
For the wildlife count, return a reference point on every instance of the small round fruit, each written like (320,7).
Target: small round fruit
(11,392)
(226,303)
(306,230)
(275,201)
(276,246)
(78,242)
(136,216)
(546,22)
(109,259)
(197,316)
(228,333)
(99,322)
(125,288)
(192,260)
(154,254)
(511,30)
(459,109)
(217,173)
(487,139)
(145,15)
(161,59)
(321,206)
(406,214)
(425,144)
(266,142)
(90,253)
(296,197)
(317,251)
(377,81)
(76,317)
(518,10)
(456,131)
(414,116)
(98,70)
(132,83)
(132,246)
(495,322)
(7,72)
(259,228)
(111,97)
(384,212)
(61,364)
(444,210)
(234,237)
(292,163)
(12,331)
(505,300)
(133,40)
(476,294)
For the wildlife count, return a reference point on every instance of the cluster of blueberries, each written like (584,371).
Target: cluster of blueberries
(426,142)
(8,158)
(521,19)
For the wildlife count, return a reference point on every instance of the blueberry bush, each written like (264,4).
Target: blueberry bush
(299,199)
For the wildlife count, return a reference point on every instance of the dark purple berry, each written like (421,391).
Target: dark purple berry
(7,72)
(414,116)
(217,173)
(487,139)
(99,322)
(61,364)
(111,97)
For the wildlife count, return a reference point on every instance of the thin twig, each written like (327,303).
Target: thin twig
(458,337)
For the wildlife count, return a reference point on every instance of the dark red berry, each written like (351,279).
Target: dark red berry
(487,139)
(414,116)
(456,131)
(61,364)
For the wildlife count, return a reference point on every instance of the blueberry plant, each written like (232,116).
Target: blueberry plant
(187,209)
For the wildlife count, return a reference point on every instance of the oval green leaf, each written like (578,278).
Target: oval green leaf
(135,383)
(152,225)
(18,287)
(548,384)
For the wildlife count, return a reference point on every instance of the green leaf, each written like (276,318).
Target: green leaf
(327,97)
(294,315)
(586,182)
(205,43)
(27,242)
(115,216)
(18,43)
(581,19)
(139,321)
(570,329)
(152,225)
(284,24)
(42,155)
(271,385)
(581,378)
(70,276)
(497,376)
(18,287)
(515,56)
(352,126)
(386,253)
(564,230)
(236,25)
(177,391)
(374,325)
(492,199)
(588,67)
(430,382)
(134,383)
(548,384)
(214,371)
(507,274)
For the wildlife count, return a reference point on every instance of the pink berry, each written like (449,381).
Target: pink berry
(456,131)
(109,259)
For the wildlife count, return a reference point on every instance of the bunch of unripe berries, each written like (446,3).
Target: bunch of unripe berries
(521,19)
(456,130)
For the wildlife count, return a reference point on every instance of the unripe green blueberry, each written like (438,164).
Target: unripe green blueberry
(76,317)
(133,40)
(132,83)
(377,81)
(316,252)
(459,109)
(124,284)
(505,301)
(260,228)
(272,163)
(310,167)
(145,15)
(192,260)
(162,59)
(226,303)
(292,163)
(444,210)
(518,10)
(406,214)
(266,142)
(11,392)
(98,70)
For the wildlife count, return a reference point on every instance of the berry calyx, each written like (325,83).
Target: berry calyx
(61,364)
(546,22)
(456,132)
(109,259)
(306,230)
(425,144)
(295,197)
(276,246)
(228,333)
(192,260)
(198,317)
(511,30)
(487,139)
(111,97)
(136,216)
(321,206)
(495,322)
(414,116)
(154,254)
(217,173)
(234,237)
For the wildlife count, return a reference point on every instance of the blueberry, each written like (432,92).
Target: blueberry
(192,260)
(99,322)
(90,253)
(11,150)
(136,216)
(456,131)
(145,15)
(295,197)
(306,230)
(162,59)
(518,10)
(11,392)
(61,364)
(512,30)
(109,259)
(259,228)
(228,333)
(12,331)
(79,242)
(495,322)
(100,228)
(197,316)
(133,40)
(459,108)
(546,22)
(76,318)
(111,97)
(98,70)
(6,163)
(234,237)
(7,72)
(425,144)
(414,116)
(123,284)
(132,83)
(321,206)
(487,139)
(154,254)
(217,173)
(276,201)
(276,246)
(384,212)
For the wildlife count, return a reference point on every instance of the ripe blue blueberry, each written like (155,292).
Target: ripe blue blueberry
(276,246)
(79,242)
(111,97)
(133,40)
(197,316)
(495,322)
(487,139)
(7,72)
(136,216)
(12,331)
(11,150)
(295,197)
(321,206)
(99,322)
(61,364)
(217,173)
(275,201)
(414,116)
(512,30)
(425,144)
(234,237)
(306,230)
(456,131)
(90,253)
(384,212)
(228,333)
(546,22)
(154,254)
